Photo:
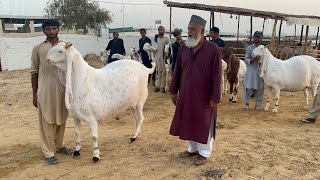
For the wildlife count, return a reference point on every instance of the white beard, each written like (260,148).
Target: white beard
(193,42)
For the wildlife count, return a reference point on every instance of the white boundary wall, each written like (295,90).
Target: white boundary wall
(15,52)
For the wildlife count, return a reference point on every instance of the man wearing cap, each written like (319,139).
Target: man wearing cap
(215,35)
(253,84)
(195,90)
(175,46)
(161,68)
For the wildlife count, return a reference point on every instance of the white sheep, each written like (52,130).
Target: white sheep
(295,74)
(96,94)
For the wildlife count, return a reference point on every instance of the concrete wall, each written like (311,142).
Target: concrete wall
(15,50)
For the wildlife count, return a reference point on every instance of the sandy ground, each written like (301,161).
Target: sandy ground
(249,145)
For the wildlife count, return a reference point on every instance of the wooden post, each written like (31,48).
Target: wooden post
(272,42)
(306,41)
(317,37)
(301,34)
(264,21)
(251,29)
(238,31)
(279,39)
(295,32)
(1,28)
(212,18)
(170,23)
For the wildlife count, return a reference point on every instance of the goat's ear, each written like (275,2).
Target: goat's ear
(68,44)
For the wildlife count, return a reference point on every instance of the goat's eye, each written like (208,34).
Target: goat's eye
(60,51)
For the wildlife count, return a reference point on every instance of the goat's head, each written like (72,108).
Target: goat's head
(57,55)
(258,51)
(226,51)
(61,56)
(149,49)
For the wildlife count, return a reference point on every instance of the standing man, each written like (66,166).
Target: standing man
(175,46)
(197,80)
(48,95)
(253,84)
(215,35)
(161,75)
(144,55)
(116,47)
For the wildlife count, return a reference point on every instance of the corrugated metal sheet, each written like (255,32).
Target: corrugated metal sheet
(22,7)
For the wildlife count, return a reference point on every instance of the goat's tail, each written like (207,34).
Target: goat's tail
(151,70)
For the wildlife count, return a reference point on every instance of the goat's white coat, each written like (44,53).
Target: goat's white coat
(96,94)
(295,74)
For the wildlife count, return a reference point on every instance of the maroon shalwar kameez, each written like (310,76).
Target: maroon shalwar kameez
(197,78)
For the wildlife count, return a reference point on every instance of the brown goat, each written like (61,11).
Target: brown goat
(232,72)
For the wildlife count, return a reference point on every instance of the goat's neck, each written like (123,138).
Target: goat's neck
(268,62)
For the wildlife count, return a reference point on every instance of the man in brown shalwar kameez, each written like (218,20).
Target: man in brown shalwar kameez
(197,77)
(48,95)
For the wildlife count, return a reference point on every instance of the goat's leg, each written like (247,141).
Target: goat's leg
(222,84)
(139,120)
(235,92)
(269,89)
(94,132)
(306,94)
(77,125)
(231,92)
(226,84)
(277,98)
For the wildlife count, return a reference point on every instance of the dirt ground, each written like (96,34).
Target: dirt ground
(249,145)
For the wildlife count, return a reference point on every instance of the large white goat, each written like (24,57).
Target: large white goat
(96,94)
(295,74)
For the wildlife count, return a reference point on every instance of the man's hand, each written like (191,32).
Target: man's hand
(255,59)
(35,100)
(213,104)
(174,98)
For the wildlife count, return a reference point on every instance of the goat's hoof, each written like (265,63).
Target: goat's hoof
(234,101)
(266,109)
(117,118)
(275,111)
(230,100)
(95,159)
(132,140)
(76,153)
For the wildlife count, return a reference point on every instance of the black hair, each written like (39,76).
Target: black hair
(50,22)
(143,30)
(215,30)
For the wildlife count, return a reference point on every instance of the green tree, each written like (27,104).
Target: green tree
(78,14)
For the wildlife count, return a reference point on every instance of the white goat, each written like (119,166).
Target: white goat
(168,59)
(104,57)
(150,50)
(96,94)
(224,83)
(295,74)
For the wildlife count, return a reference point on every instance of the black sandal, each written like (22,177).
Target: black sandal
(52,160)
(64,150)
(307,121)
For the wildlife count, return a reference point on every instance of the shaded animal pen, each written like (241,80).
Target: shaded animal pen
(276,48)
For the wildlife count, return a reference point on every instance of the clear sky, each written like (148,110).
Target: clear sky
(138,16)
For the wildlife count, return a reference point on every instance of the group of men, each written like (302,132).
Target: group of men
(195,87)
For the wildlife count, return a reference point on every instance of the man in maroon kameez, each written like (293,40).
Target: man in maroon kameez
(197,79)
